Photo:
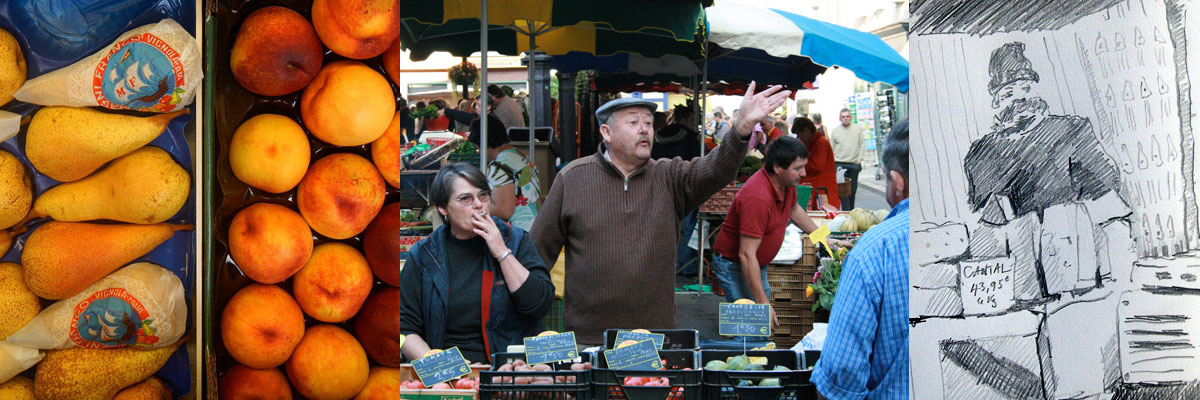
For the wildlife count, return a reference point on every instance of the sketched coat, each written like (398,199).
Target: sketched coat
(1058,161)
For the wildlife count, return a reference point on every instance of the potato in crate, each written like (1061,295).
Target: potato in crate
(511,378)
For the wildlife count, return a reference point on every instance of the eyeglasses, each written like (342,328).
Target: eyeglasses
(467,199)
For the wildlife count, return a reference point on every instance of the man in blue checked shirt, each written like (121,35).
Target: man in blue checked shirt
(865,355)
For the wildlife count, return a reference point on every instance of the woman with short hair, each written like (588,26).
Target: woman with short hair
(475,283)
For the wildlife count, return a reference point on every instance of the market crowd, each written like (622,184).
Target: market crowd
(482,282)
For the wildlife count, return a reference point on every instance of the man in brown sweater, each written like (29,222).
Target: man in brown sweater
(617,212)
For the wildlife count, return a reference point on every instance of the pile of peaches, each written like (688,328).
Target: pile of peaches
(314,321)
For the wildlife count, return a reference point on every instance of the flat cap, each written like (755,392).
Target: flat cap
(608,108)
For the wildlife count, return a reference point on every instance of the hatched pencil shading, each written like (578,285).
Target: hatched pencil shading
(1056,233)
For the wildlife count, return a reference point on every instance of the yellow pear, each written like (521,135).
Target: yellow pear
(68,143)
(12,67)
(18,305)
(62,259)
(149,389)
(17,388)
(86,374)
(142,187)
(16,190)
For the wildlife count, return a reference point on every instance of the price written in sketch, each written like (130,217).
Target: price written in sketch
(744,319)
(987,286)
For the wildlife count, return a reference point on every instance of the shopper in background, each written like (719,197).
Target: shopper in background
(512,176)
(506,108)
(816,118)
(768,127)
(464,105)
(617,212)
(849,146)
(820,172)
(865,354)
(753,231)
(447,275)
(680,138)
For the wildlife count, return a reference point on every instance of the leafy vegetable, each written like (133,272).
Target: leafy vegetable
(466,148)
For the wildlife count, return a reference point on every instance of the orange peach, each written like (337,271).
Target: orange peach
(240,382)
(340,195)
(276,52)
(269,152)
(357,29)
(383,383)
(386,152)
(261,325)
(269,242)
(386,242)
(377,326)
(391,61)
(334,284)
(347,104)
(328,364)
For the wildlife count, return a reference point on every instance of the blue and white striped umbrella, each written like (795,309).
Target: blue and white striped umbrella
(781,34)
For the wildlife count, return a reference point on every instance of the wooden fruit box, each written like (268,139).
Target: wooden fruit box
(438,394)
(407,373)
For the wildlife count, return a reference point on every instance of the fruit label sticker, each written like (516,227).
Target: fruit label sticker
(640,356)
(441,367)
(640,336)
(744,319)
(550,348)
(141,72)
(112,318)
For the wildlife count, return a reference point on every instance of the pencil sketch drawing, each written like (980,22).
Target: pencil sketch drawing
(1055,229)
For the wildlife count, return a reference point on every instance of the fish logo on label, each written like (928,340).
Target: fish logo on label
(112,318)
(139,73)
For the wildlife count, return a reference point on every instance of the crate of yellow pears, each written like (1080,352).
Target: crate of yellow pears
(98,238)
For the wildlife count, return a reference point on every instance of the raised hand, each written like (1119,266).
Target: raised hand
(756,106)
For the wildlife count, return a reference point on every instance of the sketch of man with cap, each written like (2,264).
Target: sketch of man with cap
(1037,167)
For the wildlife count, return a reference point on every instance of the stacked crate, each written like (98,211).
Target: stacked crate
(794,310)
(720,202)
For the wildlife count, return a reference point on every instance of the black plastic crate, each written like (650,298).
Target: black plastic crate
(810,358)
(609,384)
(673,339)
(501,385)
(794,384)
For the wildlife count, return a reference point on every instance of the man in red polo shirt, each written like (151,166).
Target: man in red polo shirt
(753,231)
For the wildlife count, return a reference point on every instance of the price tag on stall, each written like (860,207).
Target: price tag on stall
(441,367)
(639,356)
(744,319)
(622,336)
(550,348)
